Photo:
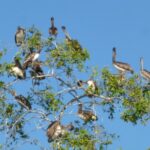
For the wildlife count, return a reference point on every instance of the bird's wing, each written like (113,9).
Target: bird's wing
(123,65)
(18,64)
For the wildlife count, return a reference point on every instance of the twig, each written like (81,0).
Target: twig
(33,141)
(45,75)
(61,80)
(68,90)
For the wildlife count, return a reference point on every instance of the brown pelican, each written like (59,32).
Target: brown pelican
(20,36)
(53,30)
(122,67)
(86,115)
(17,69)
(145,73)
(68,38)
(37,70)
(23,101)
(56,130)
(71,42)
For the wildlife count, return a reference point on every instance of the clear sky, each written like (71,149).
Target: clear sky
(98,25)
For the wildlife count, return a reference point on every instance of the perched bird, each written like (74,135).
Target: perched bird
(145,73)
(37,70)
(31,58)
(17,70)
(23,102)
(122,67)
(86,115)
(53,30)
(55,130)
(71,42)
(20,36)
(68,38)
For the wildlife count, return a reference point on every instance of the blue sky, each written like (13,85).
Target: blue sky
(99,26)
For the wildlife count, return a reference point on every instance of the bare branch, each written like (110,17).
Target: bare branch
(62,81)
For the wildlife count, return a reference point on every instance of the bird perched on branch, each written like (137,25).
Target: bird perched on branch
(122,67)
(71,42)
(86,115)
(37,71)
(20,36)
(31,57)
(68,38)
(23,102)
(53,30)
(145,73)
(55,130)
(17,69)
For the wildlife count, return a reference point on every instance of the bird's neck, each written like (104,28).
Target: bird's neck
(114,58)
(80,108)
(52,24)
(141,65)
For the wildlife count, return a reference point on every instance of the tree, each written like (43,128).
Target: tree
(52,95)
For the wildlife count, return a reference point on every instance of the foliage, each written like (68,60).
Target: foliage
(54,96)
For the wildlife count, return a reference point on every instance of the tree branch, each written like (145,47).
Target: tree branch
(70,103)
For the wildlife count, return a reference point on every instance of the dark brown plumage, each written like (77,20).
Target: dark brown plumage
(53,30)
(23,101)
(37,70)
(145,73)
(86,115)
(122,67)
